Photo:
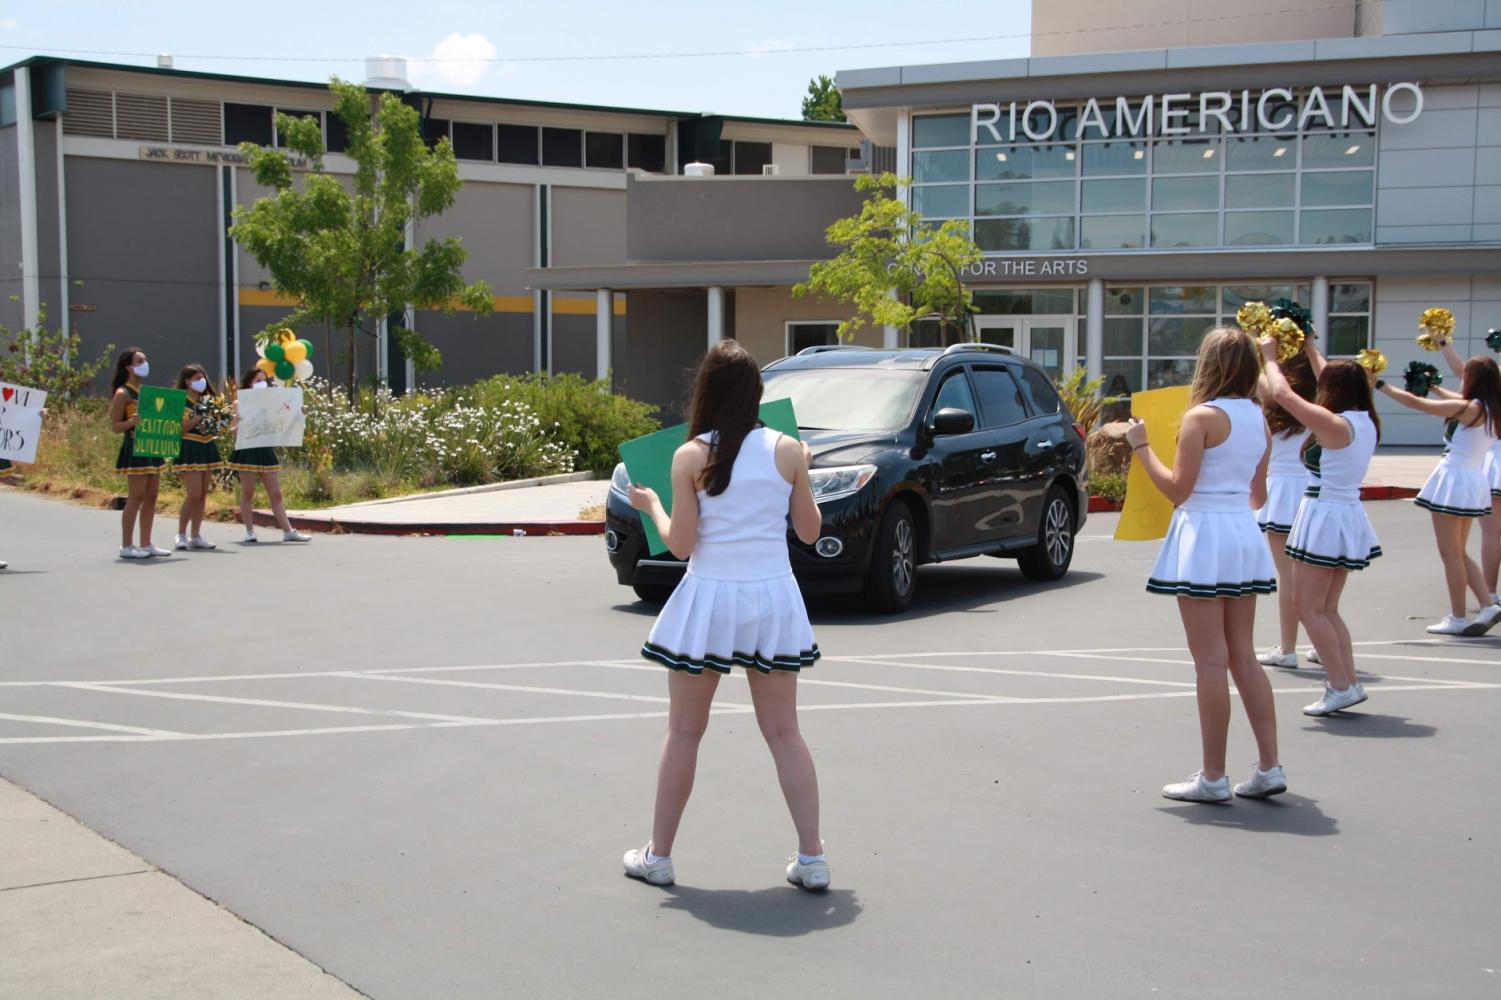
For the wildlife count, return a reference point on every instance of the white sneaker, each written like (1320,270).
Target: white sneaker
(3,564)
(1263,784)
(293,535)
(133,552)
(1334,701)
(1449,625)
(155,550)
(180,542)
(1199,789)
(250,538)
(199,542)
(1275,657)
(813,876)
(1485,619)
(1312,655)
(658,872)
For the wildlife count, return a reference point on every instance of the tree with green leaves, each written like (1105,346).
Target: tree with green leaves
(823,103)
(894,268)
(342,252)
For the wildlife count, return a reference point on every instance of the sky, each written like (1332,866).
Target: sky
(531,50)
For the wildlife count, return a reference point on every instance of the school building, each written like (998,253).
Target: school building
(1148,169)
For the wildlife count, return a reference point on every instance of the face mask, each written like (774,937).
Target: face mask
(142,370)
(198,384)
(257,385)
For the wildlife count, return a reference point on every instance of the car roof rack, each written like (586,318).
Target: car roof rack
(822,348)
(962,347)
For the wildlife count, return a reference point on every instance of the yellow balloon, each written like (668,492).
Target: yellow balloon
(267,366)
(295,352)
(285,336)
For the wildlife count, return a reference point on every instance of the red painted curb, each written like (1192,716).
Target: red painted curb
(338,526)
(1105,505)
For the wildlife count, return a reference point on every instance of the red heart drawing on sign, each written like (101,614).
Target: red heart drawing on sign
(7,392)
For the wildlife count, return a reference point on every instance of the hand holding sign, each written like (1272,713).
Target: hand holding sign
(20,421)
(1156,415)
(158,431)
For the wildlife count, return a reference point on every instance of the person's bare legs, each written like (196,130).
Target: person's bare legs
(691,696)
(195,489)
(1287,598)
(273,494)
(1332,598)
(1322,622)
(1250,680)
(1460,571)
(775,698)
(1204,626)
(1490,546)
(147,514)
(247,500)
(135,496)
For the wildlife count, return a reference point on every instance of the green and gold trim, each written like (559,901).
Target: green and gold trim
(1210,591)
(719,664)
(1439,508)
(1331,562)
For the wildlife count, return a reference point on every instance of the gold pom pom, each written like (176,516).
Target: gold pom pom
(1254,318)
(1436,325)
(1371,360)
(1289,337)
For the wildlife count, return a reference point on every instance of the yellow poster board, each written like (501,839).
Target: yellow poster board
(1147,511)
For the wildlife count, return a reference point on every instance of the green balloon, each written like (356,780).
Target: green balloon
(285,369)
(309,345)
(275,352)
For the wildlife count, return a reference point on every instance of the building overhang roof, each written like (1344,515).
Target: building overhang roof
(669,274)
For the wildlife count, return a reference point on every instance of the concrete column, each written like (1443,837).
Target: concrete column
(716,315)
(1320,310)
(31,273)
(1094,327)
(604,316)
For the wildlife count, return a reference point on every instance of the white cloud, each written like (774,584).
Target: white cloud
(456,61)
(9,24)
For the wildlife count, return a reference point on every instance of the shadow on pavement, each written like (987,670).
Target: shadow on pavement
(777,912)
(1371,726)
(1288,813)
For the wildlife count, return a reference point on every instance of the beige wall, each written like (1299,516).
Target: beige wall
(762,314)
(1068,27)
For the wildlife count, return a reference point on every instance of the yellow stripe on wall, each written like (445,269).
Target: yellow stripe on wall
(501,303)
(266,297)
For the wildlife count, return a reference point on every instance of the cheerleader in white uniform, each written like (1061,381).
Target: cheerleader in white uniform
(1458,492)
(1489,525)
(1214,559)
(1331,534)
(734,486)
(1286,480)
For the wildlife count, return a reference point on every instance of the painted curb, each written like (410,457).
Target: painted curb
(342,526)
(1106,505)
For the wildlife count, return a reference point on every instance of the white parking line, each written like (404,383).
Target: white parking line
(1007,672)
(523,688)
(269,703)
(82,724)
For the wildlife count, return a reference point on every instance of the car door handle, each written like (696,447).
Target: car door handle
(1044,445)
(987,456)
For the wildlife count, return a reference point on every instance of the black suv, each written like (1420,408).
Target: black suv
(918,456)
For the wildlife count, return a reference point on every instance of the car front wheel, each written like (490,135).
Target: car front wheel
(652,593)
(1049,559)
(892,577)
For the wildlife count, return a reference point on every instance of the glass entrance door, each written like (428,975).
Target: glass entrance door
(1043,339)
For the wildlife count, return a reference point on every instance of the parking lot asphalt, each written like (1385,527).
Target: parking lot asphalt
(416,762)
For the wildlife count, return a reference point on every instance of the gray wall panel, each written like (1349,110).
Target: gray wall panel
(588,227)
(1488,204)
(476,347)
(1432,130)
(495,224)
(573,347)
(10,230)
(667,331)
(1411,168)
(1425,206)
(48,245)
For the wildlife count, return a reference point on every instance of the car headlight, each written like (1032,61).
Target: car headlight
(839,481)
(620,482)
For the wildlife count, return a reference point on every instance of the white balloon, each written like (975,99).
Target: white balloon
(304,370)
(260,350)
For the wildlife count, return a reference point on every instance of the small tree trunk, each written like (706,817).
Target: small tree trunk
(328,349)
(349,333)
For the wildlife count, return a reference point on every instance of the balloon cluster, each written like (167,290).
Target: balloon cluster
(1436,325)
(1421,378)
(285,357)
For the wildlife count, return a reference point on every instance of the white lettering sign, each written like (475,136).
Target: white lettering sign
(1028,267)
(20,421)
(270,418)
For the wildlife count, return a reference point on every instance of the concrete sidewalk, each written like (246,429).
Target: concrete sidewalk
(83,917)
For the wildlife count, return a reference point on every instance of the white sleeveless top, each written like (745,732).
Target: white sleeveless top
(742,533)
(1287,455)
(1342,470)
(1468,445)
(1229,466)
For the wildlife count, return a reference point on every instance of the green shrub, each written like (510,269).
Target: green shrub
(1108,484)
(586,417)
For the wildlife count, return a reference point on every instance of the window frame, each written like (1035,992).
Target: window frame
(787,326)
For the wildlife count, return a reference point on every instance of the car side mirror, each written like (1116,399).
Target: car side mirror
(952,420)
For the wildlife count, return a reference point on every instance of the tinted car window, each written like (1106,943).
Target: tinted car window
(1000,398)
(1040,391)
(847,399)
(955,393)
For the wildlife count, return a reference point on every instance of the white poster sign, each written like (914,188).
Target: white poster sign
(20,421)
(270,418)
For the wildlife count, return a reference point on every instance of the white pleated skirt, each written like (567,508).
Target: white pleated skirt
(1459,491)
(1334,534)
(1493,470)
(1283,495)
(1211,553)
(720,624)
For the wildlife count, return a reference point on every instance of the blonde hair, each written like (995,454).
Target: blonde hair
(1227,366)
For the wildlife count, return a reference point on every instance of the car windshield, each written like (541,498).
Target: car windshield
(847,399)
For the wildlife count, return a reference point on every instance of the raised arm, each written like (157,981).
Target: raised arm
(1456,363)
(679,531)
(1316,359)
(1466,411)
(1331,429)
(1178,482)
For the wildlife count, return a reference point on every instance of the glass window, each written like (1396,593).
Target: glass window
(945,165)
(955,394)
(1124,302)
(1022,163)
(1349,335)
(1259,191)
(1177,300)
(1261,152)
(1025,234)
(1024,301)
(1337,187)
(1235,296)
(1186,156)
(1028,198)
(1337,225)
(1040,391)
(472,141)
(1185,230)
(1112,232)
(1339,149)
(562,147)
(848,399)
(826,159)
(943,201)
(337,132)
(434,131)
(1191,193)
(518,144)
(646,152)
(928,333)
(1102,158)
(940,130)
(1115,196)
(605,150)
(750,157)
(1170,335)
(247,123)
(1122,376)
(1163,372)
(801,336)
(1350,298)
(1000,398)
(1123,337)
(1257,229)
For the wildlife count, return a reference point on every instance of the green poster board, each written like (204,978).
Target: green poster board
(648,460)
(159,434)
